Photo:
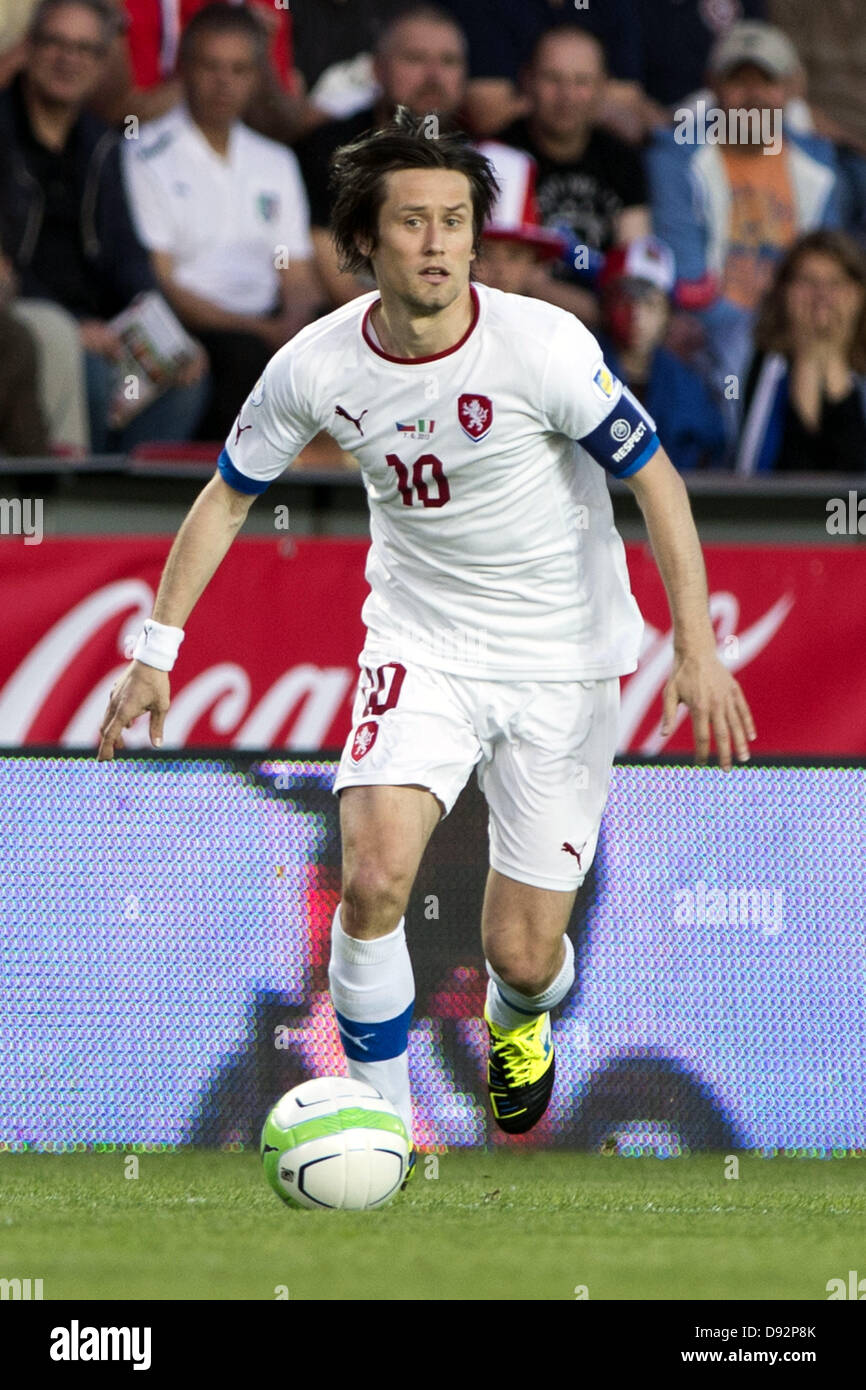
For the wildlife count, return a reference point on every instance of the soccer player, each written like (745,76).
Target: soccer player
(499,618)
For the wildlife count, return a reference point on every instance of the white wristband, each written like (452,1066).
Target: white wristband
(158,645)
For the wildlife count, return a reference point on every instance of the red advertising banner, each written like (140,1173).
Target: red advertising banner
(270,655)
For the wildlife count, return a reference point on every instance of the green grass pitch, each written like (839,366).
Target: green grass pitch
(502,1225)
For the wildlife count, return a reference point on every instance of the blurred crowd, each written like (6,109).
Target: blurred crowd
(688,178)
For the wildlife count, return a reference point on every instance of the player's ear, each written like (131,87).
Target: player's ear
(365,245)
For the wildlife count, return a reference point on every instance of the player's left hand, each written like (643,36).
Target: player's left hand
(717,704)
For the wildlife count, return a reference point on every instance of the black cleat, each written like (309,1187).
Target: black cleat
(520,1073)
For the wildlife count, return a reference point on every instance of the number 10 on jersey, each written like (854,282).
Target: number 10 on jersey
(418,489)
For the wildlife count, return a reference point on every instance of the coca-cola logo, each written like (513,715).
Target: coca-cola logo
(656,662)
(222,693)
(306,706)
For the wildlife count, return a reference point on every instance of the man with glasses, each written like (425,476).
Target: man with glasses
(67,228)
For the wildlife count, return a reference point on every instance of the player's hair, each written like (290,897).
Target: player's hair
(772,333)
(221,18)
(103,10)
(408,142)
(568,30)
(433,14)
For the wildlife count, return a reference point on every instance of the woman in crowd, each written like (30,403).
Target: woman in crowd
(805,398)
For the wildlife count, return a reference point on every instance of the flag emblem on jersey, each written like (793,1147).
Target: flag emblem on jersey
(604,383)
(418,429)
(475,414)
(268,205)
(365,737)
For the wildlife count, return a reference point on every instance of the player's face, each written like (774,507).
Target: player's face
(220,77)
(565,84)
(425,238)
(423,67)
(66,57)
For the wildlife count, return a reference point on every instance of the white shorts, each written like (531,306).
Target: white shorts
(543,750)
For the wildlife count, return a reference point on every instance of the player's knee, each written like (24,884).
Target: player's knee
(373,899)
(529,972)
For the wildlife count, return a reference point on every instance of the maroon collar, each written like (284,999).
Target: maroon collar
(412,361)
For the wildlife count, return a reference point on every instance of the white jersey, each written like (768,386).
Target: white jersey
(219,218)
(494,551)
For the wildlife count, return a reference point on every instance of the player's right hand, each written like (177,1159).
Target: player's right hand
(140,688)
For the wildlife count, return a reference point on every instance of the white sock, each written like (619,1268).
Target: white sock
(508,1008)
(373,992)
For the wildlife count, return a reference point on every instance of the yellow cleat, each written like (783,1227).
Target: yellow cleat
(410,1168)
(520,1072)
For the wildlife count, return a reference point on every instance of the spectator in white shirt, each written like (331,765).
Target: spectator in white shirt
(224,212)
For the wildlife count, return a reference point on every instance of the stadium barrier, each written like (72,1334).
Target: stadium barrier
(164,940)
(270,655)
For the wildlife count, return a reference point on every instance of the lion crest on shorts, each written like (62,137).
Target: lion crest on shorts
(365,737)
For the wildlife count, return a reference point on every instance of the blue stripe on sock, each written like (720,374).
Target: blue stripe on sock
(375,1042)
(530,1013)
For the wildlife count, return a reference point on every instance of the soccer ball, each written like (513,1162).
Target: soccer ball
(335,1142)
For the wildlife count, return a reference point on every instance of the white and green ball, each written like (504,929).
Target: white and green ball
(335,1142)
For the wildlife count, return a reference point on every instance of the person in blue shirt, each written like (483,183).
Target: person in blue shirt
(636,285)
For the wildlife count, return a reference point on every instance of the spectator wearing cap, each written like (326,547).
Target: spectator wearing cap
(818,103)
(636,285)
(513,242)
(224,213)
(732,194)
(590,185)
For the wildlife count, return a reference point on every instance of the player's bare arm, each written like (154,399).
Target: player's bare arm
(213,521)
(699,679)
